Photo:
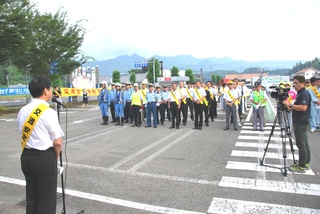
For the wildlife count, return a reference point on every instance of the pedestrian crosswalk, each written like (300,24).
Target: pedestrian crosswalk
(246,157)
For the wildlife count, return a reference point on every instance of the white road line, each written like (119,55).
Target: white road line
(78,121)
(222,205)
(261,175)
(258,132)
(116,165)
(271,145)
(142,174)
(156,154)
(264,128)
(98,135)
(254,154)
(257,167)
(270,185)
(266,137)
(109,200)
(249,115)
(92,133)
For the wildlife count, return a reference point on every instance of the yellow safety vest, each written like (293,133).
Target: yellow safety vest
(136,98)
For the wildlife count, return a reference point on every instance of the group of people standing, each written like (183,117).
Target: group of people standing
(133,104)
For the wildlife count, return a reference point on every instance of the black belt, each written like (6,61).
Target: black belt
(128,101)
(152,102)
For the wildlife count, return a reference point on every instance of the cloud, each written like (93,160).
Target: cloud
(247,29)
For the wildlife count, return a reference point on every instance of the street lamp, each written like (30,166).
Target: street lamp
(27,70)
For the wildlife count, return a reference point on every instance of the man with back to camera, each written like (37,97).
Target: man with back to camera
(314,91)
(300,116)
(41,145)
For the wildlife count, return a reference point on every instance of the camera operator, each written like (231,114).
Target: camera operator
(300,115)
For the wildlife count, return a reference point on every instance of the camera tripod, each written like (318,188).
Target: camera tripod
(285,133)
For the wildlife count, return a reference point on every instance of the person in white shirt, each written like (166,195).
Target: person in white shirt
(184,104)
(230,97)
(174,99)
(199,94)
(42,142)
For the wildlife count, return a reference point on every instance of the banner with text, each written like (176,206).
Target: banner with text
(14,91)
(71,92)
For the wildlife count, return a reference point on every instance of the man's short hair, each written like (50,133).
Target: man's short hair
(37,85)
(300,78)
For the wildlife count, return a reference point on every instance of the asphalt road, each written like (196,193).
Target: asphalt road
(145,170)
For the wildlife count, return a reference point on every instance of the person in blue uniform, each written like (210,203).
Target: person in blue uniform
(165,95)
(128,115)
(111,93)
(151,107)
(104,103)
(119,101)
(159,101)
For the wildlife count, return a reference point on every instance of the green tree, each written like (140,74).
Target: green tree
(149,75)
(15,34)
(219,78)
(189,73)
(214,78)
(132,77)
(116,76)
(55,80)
(54,41)
(136,70)
(174,71)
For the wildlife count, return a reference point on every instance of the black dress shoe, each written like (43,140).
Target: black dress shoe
(236,129)
(207,124)
(194,128)
(147,126)
(155,127)
(184,124)
(178,127)
(161,123)
(200,128)
(261,130)
(226,129)
(171,127)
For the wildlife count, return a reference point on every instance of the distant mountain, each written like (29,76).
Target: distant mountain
(125,63)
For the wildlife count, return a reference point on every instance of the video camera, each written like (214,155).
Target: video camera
(280,93)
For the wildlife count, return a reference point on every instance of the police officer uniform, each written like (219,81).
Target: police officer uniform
(151,107)
(119,101)
(104,103)
(112,93)
(159,101)
(127,109)
(165,95)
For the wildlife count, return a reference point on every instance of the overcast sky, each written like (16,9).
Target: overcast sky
(241,29)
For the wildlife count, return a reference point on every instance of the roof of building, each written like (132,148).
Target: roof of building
(242,76)
(307,69)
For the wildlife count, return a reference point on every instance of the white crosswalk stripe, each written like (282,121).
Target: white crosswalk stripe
(246,156)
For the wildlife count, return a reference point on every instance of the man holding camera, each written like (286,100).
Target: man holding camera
(300,115)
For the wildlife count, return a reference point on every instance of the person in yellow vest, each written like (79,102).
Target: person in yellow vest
(136,105)
(258,99)
(231,96)
(41,138)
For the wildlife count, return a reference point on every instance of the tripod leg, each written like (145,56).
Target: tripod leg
(271,133)
(289,135)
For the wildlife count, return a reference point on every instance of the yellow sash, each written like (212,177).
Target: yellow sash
(189,94)
(183,100)
(198,95)
(290,99)
(230,95)
(30,123)
(174,97)
(211,95)
(315,91)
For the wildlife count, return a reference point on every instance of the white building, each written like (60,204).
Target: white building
(308,72)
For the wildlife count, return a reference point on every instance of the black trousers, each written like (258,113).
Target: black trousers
(190,105)
(175,114)
(136,115)
(160,110)
(168,110)
(112,111)
(206,113)
(184,110)
(213,109)
(198,112)
(40,171)
(128,112)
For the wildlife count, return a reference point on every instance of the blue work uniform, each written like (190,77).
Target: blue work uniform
(151,107)
(104,102)
(119,100)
